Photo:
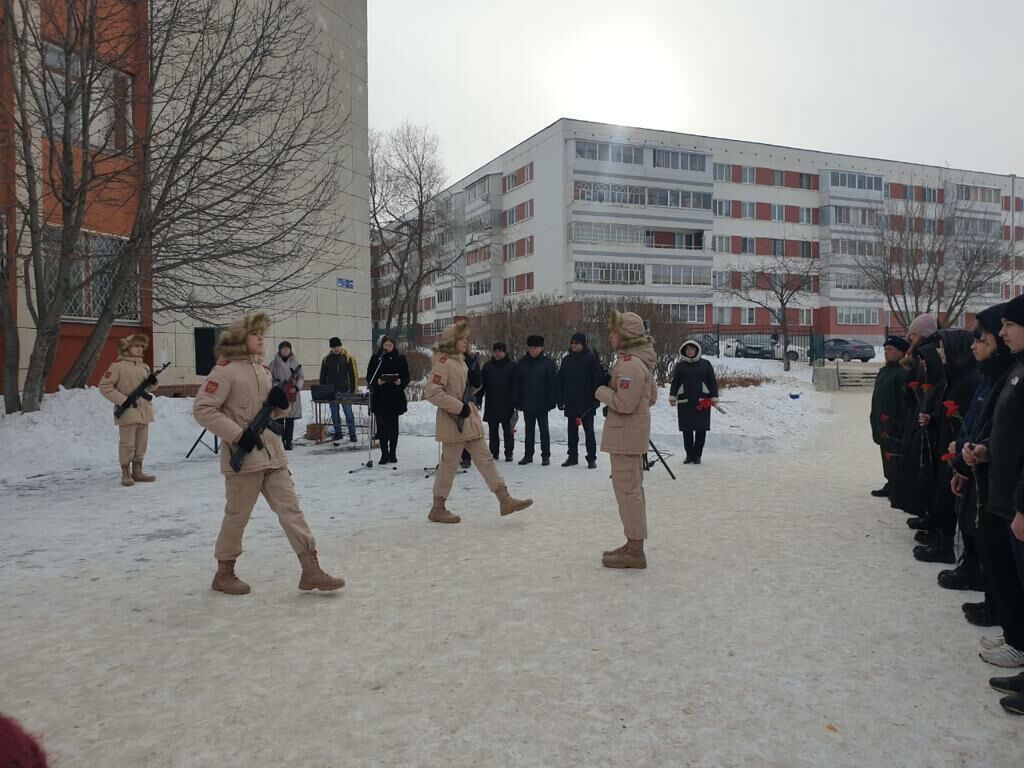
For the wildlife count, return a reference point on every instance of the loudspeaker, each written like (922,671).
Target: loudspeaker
(205,341)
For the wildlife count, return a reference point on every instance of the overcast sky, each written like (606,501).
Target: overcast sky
(930,81)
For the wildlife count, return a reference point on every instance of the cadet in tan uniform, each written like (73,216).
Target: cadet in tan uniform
(120,380)
(629,394)
(226,403)
(446,389)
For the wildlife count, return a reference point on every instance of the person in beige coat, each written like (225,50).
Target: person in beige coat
(120,380)
(446,389)
(629,392)
(227,401)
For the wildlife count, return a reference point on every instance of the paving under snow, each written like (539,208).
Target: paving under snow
(782,621)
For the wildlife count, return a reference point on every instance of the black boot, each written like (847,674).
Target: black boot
(688,459)
(941,552)
(392,448)
(919,523)
(1009,685)
(961,577)
(882,492)
(927,537)
(570,462)
(526,460)
(980,615)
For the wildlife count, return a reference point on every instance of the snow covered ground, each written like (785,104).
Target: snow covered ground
(782,621)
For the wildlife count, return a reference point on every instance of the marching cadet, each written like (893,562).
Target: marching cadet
(121,379)
(629,391)
(226,403)
(446,389)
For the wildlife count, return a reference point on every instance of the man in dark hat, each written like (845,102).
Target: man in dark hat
(535,394)
(499,407)
(338,368)
(578,377)
(887,404)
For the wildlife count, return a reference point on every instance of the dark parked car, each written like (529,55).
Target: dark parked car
(848,349)
(708,344)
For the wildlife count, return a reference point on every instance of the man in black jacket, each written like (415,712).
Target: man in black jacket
(475,380)
(578,378)
(338,368)
(887,403)
(534,394)
(499,407)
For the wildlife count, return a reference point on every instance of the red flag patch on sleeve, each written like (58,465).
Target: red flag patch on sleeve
(623,382)
(224,362)
(437,378)
(211,387)
(443,359)
(627,357)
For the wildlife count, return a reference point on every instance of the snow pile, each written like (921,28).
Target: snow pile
(75,432)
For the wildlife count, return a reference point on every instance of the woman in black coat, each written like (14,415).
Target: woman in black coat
(694,390)
(387,395)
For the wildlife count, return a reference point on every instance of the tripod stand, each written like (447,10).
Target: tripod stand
(648,463)
(431,471)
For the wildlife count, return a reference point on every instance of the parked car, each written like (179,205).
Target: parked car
(747,348)
(848,349)
(795,351)
(708,344)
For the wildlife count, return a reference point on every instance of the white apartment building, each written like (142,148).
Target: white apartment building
(585,209)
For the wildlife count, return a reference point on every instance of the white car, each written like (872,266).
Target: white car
(794,352)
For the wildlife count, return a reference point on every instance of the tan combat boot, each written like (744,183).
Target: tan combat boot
(315,577)
(629,556)
(225,581)
(439,514)
(508,504)
(138,475)
(126,476)
(617,551)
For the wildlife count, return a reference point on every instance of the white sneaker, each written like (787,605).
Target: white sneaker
(988,643)
(1004,655)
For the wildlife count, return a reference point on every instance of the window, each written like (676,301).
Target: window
(600,232)
(679,161)
(851,281)
(805,317)
(746,245)
(92,275)
(778,178)
(975,226)
(517,178)
(806,215)
(806,250)
(480,287)
(805,181)
(680,275)
(978,194)
(477,189)
(845,247)
(519,249)
(518,283)
(856,181)
(722,244)
(106,91)
(778,247)
(521,212)
(749,210)
(723,208)
(723,172)
(748,315)
(931,195)
(617,153)
(444,295)
(657,197)
(478,255)
(689,241)
(857,315)
(721,279)
(778,212)
(687,313)
(723,315)
(748,174)
(609,273)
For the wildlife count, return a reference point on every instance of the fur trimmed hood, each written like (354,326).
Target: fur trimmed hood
(691,343)
(130,341)
(231,345)
(450,335)
(630,327)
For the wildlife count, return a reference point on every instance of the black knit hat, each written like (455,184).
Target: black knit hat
(991,319)
(284,344)
(334,342)
(535,341)
(897,341)
(499,346)
(1013,310)
(579,337)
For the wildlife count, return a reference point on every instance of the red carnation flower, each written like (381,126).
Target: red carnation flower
(947,457)
(952,409)
(913,385)
(884,418)
(927,387)
(579,421)
(888,456)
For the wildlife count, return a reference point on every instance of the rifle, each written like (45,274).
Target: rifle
(140,391)
(466,397)
(261,422)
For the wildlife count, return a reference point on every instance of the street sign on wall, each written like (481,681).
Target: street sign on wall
(344,282)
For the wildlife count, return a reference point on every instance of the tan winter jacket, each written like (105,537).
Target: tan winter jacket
(445,389)
(632,392)
(121,378)
(233,394)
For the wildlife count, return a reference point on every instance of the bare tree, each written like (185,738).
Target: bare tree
(218,126)
(777,283)
(932,250)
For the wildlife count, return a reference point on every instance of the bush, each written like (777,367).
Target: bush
(419,364)
(732,380)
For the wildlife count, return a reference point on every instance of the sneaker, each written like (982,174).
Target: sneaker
(1004,655)
(570,462)
(988,643)
(1013,704)
(1009,685)
(592,464)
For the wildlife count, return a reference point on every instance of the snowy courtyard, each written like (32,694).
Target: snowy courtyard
(781,621)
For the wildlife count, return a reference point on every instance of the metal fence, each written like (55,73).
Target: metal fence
(763,343)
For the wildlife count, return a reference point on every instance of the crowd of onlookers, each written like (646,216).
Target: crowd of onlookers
(947,413)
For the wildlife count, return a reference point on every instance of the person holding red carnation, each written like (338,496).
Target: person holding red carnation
(887,407)
(693,393)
